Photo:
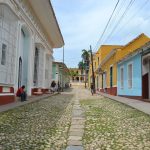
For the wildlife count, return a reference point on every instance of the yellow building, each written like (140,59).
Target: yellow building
(105,63)
(132,46)
(98,58)
(108,66)
(77,75)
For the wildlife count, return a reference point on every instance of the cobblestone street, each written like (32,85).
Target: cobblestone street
(39,125)
(114,126)
(74,120)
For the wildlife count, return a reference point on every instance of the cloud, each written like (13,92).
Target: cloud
(82,22)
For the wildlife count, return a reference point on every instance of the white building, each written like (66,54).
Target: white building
(28,33)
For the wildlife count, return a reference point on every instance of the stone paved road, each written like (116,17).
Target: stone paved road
(114,126)
(37,126)
(45,125)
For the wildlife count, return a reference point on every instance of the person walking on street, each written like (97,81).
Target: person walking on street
(58,88)
(92,88)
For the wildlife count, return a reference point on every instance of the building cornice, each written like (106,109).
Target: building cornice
(46,16)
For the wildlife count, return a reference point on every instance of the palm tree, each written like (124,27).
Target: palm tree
(81,65)
(85,55)
(86,58)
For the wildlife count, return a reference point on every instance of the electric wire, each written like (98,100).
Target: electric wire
(118,11)
(108,22)
(121,18)
(134,15)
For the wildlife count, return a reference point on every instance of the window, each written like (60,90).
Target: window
(122,77)
(130,76)
(111,76)
(36,65)
(3,60)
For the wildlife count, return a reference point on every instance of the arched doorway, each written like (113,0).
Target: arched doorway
(24,55)
(77,79)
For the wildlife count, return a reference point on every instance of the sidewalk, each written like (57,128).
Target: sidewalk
(137,104)
(18,103)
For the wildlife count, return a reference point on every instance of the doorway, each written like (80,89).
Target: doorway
(20,72)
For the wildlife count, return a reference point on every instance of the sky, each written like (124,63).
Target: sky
(82,23)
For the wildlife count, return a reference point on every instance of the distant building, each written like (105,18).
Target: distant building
(28,33)
(60,73)
(77,75)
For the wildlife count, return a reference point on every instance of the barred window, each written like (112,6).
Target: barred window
(3,60)
(111,76)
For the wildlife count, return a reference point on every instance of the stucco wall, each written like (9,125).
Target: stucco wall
(136,89)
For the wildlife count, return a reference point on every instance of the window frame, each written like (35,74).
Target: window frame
(3,59)
(130,86)
(122,78)
(111,76)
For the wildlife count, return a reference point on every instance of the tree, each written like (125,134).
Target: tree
(73,73)
(81,65)
(86,60)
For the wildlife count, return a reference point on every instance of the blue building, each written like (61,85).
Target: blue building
(129,81)
(133,72)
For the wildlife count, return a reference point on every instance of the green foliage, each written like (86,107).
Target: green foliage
(81,65)
(73,73)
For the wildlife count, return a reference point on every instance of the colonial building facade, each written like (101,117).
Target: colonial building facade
(130,69)
(77,75)
(28,33)
(61,74)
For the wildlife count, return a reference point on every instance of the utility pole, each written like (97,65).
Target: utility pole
(93,78)
(63,72)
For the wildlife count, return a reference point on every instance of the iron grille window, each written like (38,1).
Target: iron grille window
(111,76)
(3,60)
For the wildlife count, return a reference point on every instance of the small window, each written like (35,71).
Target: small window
(3,60)
(130,76)
(122,77)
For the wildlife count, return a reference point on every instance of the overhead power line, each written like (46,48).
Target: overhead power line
(135,14)
(108,22)
(121,18)
(118,11)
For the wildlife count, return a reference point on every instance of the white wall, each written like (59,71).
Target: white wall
(8,36)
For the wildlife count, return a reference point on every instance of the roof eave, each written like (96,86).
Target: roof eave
(45,13)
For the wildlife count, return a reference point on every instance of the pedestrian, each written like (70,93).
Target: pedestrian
(58,87)
(92,88)
(53,84)
(22,93)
